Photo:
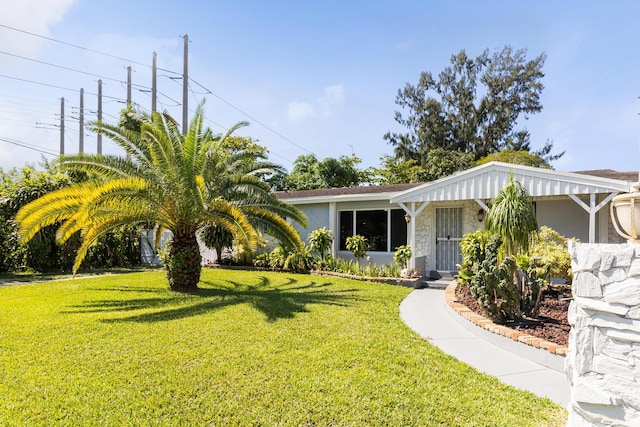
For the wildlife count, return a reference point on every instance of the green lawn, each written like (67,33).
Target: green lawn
(249,349)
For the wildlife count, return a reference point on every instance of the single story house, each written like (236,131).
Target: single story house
(432,217)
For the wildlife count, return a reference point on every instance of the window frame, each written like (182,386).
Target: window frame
(354,227)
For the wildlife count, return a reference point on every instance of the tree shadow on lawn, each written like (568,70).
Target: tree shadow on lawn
(280,301)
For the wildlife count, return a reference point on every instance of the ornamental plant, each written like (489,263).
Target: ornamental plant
(402,255)
(358,246)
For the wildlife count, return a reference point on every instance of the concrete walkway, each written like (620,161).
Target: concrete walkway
(425,311)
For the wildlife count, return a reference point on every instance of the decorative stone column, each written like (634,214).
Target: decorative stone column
(603,363)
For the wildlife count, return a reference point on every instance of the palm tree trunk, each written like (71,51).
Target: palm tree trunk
(184,263)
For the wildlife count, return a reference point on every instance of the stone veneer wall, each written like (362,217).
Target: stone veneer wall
(603,363)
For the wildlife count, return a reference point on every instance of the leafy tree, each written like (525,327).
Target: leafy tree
(512,217)
(309,173)
(441,162)
(517,157)
(473,106)
(17,188)
(394,170)
(180,183)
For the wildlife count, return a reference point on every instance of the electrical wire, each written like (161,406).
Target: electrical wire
(30,147)
(85,48)
(252,118)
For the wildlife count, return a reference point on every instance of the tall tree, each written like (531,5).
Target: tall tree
(179,182)
(473,106)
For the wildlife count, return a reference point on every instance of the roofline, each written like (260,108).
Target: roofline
(342,198)
(570,177)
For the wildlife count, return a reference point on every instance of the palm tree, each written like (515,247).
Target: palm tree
(512,217)
(181,183)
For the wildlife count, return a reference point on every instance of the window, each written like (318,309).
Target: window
(384,229)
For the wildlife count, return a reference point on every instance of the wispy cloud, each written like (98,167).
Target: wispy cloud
(332,97)
(35,16)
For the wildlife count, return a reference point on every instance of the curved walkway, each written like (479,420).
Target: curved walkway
(425,311)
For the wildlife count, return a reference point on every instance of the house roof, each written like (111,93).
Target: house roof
(481,182)
(370,192)
(485,181)
(610,173)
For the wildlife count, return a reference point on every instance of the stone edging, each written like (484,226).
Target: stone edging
(483,322)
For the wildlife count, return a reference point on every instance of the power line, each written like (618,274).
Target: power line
(62,67)
(85,48)
(59,87)
(253,118)
(30,147)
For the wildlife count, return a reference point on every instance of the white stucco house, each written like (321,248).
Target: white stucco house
(432,217)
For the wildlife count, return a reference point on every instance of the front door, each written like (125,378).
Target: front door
(448,235)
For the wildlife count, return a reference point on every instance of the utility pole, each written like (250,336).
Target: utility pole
(129,86)
(185,87)
(99,115)
(128,96)
(62,126)
(154,82)
(81,144)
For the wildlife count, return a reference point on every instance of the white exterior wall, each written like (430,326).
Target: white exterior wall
(603,363)
(318,216)
(149,256)
(564,216)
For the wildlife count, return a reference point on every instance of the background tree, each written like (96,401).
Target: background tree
(120,248)
(473,106)
(517,157)
(442,162)
(179,182)
(309,173)
(396,170)
(218,238)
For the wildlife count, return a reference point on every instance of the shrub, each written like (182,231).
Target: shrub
(299,260)
(472,248)
(357,245)
(320,241)
(402,255)
(551,247)
(535,275)
(283,258)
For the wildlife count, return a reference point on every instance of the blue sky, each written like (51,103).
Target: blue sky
(316,77)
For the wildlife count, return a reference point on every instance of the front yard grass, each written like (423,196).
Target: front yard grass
(250,348)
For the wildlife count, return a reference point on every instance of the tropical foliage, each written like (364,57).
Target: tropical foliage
(358,246)
(320,241)
(551,248)
(512,217)
(402,255)
(119,248)
(309,173)
(508,280)
(178,182)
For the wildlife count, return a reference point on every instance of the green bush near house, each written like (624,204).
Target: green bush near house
(247,348)
(551,247)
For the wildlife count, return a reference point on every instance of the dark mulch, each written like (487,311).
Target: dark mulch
(551,325)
